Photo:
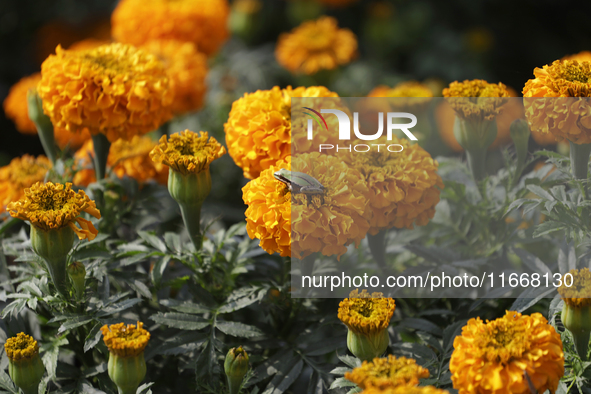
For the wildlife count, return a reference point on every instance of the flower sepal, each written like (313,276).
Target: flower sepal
(77,274)
(127,372)
(367,347)
(577,319)
(53,246)
(189,189)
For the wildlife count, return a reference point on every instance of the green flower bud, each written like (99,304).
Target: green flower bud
(53,246)
(368,347)
(77,273)
(43,124)
(577,319)
(475,136)
(24,364)
(127,372)
(236,367)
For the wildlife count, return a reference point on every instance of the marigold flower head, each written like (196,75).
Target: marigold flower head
(126,158)
(202,22)
(21,173)
(404,187)
(259,128)
(316,45)
(405,390)
(187,69)
(566,113)
(114,89)
(584,56)
(366,314)
(476,99)
(579,293)
(403,89)
(493,357)
(187,152)
(387,372)
(125,340)
(15,104)
(52,206)
(22,347)
(88,43)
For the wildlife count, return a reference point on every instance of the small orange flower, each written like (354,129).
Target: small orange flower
(125,340)
(114,89)
(316,45)
(387,372)
(187,69)
(202,22)
(21,173)
(15,104)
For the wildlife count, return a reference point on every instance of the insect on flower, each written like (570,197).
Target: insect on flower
(300,183)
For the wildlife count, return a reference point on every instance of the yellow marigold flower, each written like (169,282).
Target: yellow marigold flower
(21,173)
(584,56)
(126,158)
(403,89)
(366,313)
(187,69)
(15,104)
(493,357)
(22,347)
(387,372)
(566,116)
(579,293)
(187,152)
(476,99)
(259,129)
(88,43)
(404,187)
(405,390)
(316,45)
(52,206)
(125,340)
(202,22)
(115,89)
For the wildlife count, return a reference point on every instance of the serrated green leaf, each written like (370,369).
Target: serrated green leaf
(159,268)
(74,322)
(238,329)
(547,228)
(152,240)
(340,383)
(180,320)
(50,355)
(118,307)
(538,191)
(285,377)
(93,337)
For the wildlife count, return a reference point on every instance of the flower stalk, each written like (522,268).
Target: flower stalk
(579,159)
(43,124)
(77,274)
(475,136)
(101,154)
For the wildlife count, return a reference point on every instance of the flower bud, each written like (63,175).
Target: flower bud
(24,364)
(475,136)
(368,347)
(575,291)
(127,365)
(189,189)
(236,367)
(77,273)
(53,246)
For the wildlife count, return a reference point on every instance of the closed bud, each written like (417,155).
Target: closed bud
(24,364)
(367,347)
(77,273)
(236,367)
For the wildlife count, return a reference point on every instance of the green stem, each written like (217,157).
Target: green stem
(44,126)
(477,164)
(192,217)
(377,246)
(581,339)
(101,154)
(579,159)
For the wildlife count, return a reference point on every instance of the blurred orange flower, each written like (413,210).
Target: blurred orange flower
(21,173)
(202,22)
(316,45)
(387,372)
(187,69)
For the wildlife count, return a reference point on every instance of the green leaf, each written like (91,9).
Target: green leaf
(93,337)
(340,383)
(241,299)
(285,377)
(159,268)
(421,324)
(272,365)
(351,361)
(530,297)
(74,322)
(50,356)
(173,242)
(186,307)
(119,307)
(547,228)
(7,384)
(180,320)
(152,240)
(238,329)
(533,262)
(537,190)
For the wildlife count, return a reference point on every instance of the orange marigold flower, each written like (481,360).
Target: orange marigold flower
(584,56)
(325,224)
(366,314)
(578,294)
(52,206)
(187,69)
(405,390)
(259,129)
(114,89)
(21,347)
(387,372)
(16,106)
(316,45)
(476,99)
(125,340)
(21,173)
(403,89)
(88,43)
(202,22)
(493,357)
(567,114)
(404,187)
(187,152)
(126,158)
